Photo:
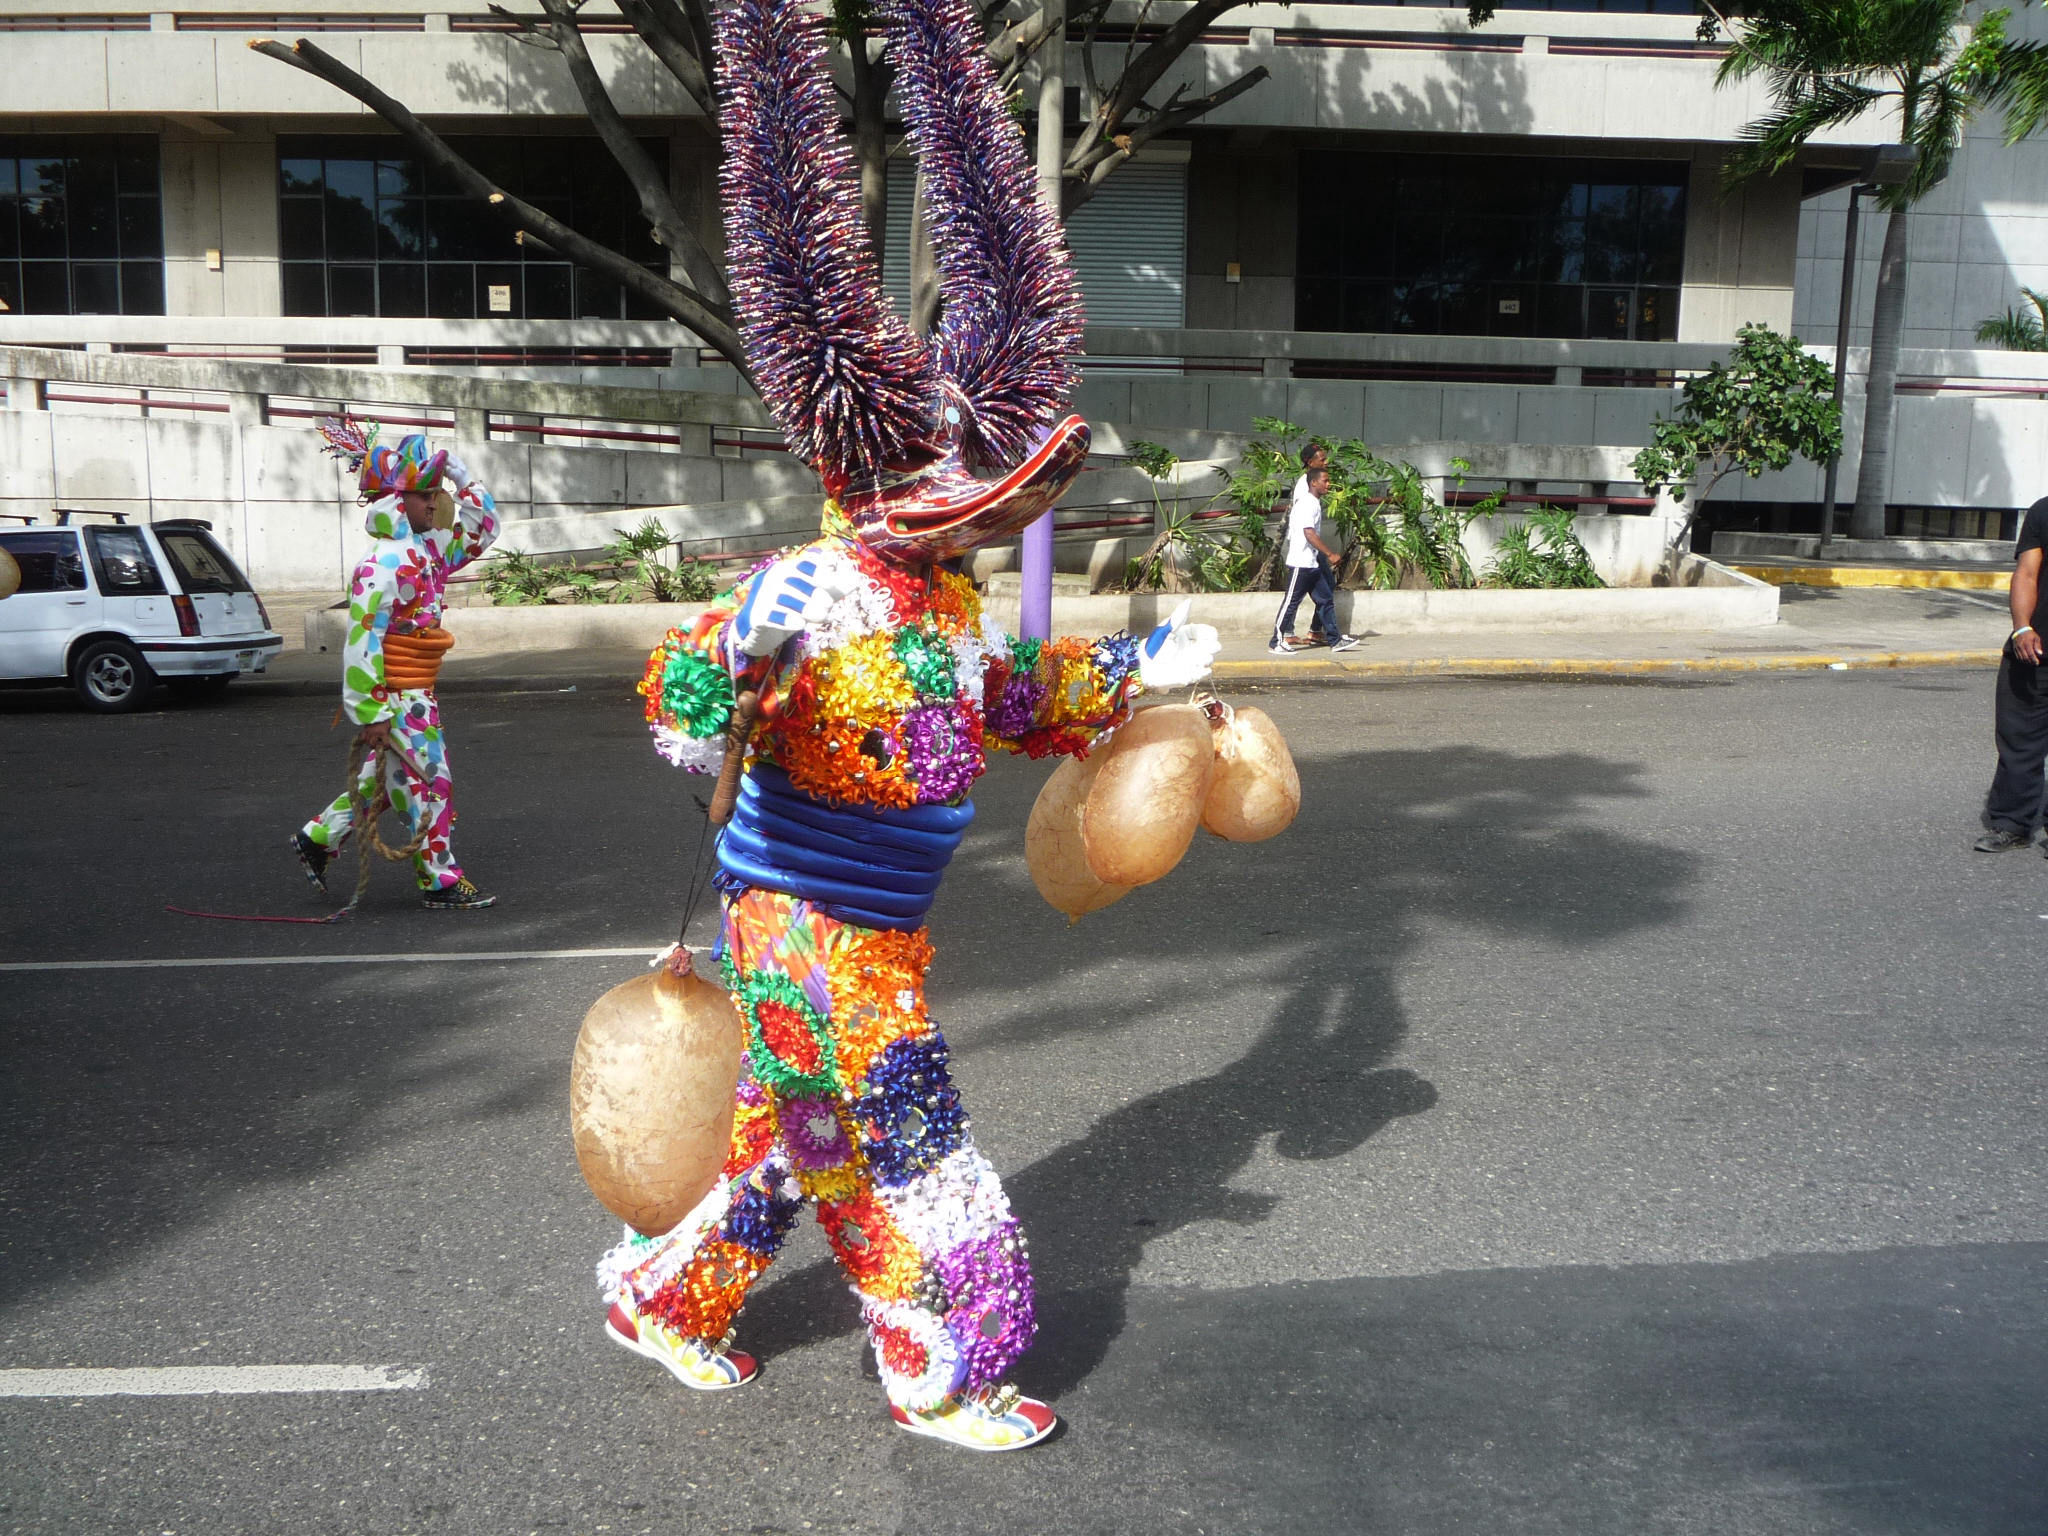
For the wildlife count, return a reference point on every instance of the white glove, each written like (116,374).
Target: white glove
(791,595)
(457,473)
(1177,654)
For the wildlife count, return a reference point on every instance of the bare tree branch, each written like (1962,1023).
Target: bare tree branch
(711,320)
(657,203)
(666,31)
(1085,174)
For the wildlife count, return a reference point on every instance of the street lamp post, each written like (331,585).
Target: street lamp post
(1890,165)
(1843,311)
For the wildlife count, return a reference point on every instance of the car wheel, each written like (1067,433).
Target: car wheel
(198,689)
(111,677)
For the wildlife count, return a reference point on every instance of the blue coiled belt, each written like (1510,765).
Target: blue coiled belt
(878,868)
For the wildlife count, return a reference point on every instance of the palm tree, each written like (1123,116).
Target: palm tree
(1931,66)
(2018,331)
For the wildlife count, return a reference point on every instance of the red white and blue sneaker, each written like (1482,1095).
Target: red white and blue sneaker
(991,1419)
(697,1365)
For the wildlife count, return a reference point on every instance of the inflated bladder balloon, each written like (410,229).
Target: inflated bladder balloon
(651,1095)
(1053,845)
(1255,791)
(1148,794)
(10,575)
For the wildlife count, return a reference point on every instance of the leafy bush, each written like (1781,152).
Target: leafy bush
(1543,551)
(632,568)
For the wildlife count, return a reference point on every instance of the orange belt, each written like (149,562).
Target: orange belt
(413,661)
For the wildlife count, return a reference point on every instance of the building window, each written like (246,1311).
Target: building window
(365,229)
(1490,245)
(81,225)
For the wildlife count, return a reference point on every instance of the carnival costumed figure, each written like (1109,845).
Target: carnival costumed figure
(428,517)
(881,691)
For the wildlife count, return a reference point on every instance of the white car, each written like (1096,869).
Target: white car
(110,608)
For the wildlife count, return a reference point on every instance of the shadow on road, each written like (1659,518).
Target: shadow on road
(1488,839)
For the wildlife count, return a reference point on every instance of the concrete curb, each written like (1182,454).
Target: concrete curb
(1875,576)
(1331,673)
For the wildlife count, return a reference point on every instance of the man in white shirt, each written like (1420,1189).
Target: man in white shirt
(1310,572)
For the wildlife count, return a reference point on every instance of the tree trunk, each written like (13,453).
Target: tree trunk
(924,266)
(1866,521)
(871,144)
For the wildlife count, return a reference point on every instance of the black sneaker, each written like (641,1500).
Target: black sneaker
(313,859)
(2002,840)
(1344,643)
(459,897)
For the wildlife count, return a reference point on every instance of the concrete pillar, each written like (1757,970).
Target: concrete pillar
(1278,368)
(163,21)
(24,394)
(391,357)
(246,410)
(472,424)
(1569,377)
(435,23)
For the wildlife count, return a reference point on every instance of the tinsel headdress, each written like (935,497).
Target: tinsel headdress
(852,387)
(379,469)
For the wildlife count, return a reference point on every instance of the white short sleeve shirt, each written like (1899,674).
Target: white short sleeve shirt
(1304,516)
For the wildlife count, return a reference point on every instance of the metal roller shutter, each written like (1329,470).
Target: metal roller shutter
(1129,244)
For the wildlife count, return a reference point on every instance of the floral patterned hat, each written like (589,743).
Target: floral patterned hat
(382,470)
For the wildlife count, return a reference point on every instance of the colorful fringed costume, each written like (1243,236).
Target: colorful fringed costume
(395,602)
(882,692)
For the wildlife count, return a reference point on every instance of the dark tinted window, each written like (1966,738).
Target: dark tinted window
(122,564)
(81,225)
(365,230)
(1490,245)
(202,565)
(49,562)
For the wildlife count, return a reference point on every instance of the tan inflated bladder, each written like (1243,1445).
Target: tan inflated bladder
(1054,849)
(1147,800)
(1255,791)
(651,1095)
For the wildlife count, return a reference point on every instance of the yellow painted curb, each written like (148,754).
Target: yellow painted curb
(1994,580)
(1324,671)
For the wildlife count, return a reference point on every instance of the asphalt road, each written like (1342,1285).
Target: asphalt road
(1609,1109)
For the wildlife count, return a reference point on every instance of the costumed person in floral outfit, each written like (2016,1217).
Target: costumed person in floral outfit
(429,518)
(880,689)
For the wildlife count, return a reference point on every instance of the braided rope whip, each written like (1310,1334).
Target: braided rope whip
(364,814)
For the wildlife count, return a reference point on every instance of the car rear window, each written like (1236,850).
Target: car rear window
(49,562)
(203,566)
(122,563)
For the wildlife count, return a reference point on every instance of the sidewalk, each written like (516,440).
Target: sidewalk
(1819,628)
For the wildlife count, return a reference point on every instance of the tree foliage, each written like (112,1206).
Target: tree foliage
(1768,404)
(2016,330)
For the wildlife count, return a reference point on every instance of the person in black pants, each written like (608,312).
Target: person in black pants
(2012,810)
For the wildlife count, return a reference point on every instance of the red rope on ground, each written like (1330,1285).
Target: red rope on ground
(246,917)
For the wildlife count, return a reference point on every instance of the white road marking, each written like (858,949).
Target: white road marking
(416,958)
(207,1380)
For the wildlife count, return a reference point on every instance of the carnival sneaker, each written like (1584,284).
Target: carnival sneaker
(697,1365)
(462,896)
(993,1419)
(2002,839)
(313,859)
(1344,643)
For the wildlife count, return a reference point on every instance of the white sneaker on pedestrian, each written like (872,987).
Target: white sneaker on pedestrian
(1344,643)
(1278,648)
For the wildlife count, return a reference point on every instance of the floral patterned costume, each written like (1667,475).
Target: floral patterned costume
(397,589)
(877,721)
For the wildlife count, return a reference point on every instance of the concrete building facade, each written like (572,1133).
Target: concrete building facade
(1510,233)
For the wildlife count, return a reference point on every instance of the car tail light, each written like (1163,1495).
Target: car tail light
(262,612)
(188,616)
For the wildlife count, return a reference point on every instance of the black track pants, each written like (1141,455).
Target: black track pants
(2022,719)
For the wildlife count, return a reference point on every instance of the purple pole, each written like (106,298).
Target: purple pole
(1035,622)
